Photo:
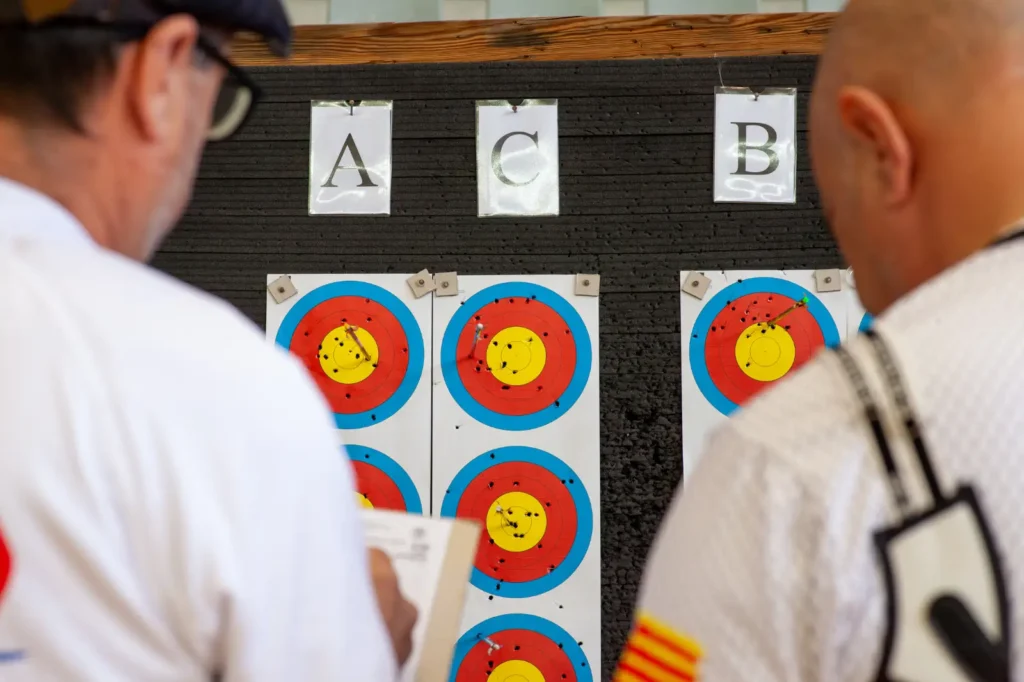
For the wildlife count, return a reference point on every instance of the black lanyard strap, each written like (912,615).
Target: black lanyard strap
(908,419)
(873,417)
(906,412)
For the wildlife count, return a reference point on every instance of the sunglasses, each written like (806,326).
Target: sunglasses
(238,94)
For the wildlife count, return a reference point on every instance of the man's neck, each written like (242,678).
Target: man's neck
(58,167)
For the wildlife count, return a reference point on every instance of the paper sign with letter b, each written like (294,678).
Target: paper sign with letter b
(517,158)
(350,158)
(755,145)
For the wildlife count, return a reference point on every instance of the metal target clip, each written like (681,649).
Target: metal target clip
(827,281)
(696,284)
(421,284)
(588,285)
(446,284)
(281,289)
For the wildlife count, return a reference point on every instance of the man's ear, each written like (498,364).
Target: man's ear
(877,135)
(158,83)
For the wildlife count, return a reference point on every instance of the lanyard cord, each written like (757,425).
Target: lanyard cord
(907,417)
(860,385)
(906,412)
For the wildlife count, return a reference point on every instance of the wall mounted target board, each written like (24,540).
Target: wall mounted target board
(750,329)
(517,447)
(365,341)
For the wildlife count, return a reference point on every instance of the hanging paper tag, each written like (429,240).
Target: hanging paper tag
(350,158)
(517,158)
(755,145)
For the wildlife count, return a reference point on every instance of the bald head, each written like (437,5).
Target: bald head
(914,135)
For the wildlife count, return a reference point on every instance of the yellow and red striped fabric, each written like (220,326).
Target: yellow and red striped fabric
(657,653)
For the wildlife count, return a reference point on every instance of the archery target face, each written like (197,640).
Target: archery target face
(381,482)
(362,346)
(752,333)
(516,356)
(536,517)
(519,648)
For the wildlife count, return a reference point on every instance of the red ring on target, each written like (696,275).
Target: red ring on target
(389,367)
(335,328)
(551,330)
(542,485)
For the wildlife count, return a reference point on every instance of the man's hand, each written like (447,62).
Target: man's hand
(399,614)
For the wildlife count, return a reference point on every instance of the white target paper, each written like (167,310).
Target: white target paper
(350,159)
(522,345)
(376,414)
(858,319)
(735,345)
(517,158)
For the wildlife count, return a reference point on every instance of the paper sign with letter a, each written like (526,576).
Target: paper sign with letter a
(350,158)
(517,157)
(755,145)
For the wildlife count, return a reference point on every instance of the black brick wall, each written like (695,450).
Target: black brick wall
(636,185)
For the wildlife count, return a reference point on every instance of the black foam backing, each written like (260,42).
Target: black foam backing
(636,146)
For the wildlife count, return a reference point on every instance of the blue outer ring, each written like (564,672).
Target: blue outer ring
(521,621)
(393,470)
(768,285)
(584,517)
(865,322)
(405,318)
(484,415)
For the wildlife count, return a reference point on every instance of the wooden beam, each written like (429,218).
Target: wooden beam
(560,39)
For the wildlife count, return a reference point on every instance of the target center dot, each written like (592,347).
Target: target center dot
(765,352)
(516,522)
(348,356)
(516,356)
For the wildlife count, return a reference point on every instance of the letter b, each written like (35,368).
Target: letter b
(766,149)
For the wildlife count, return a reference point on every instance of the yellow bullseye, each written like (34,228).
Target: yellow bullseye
(516,356)
(343,360)
(765,352)
(364,501)
(516,671)
(516,522)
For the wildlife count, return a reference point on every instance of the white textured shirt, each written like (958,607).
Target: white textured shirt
(172,494)
(767,560)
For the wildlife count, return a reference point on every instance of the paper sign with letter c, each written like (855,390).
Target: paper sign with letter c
(517,158)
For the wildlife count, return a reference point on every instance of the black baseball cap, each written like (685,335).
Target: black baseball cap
(131,19)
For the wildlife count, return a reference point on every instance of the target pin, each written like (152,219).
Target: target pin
(492,645)
(476,339)
(351,331)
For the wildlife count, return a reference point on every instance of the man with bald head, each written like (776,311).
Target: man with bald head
(860,521)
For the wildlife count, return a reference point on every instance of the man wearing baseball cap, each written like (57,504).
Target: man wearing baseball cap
(174,502)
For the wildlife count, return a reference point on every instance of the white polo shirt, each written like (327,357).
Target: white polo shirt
(173,497)
(766,568)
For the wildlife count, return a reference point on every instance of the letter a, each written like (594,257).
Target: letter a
(350,145)
(773,157)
